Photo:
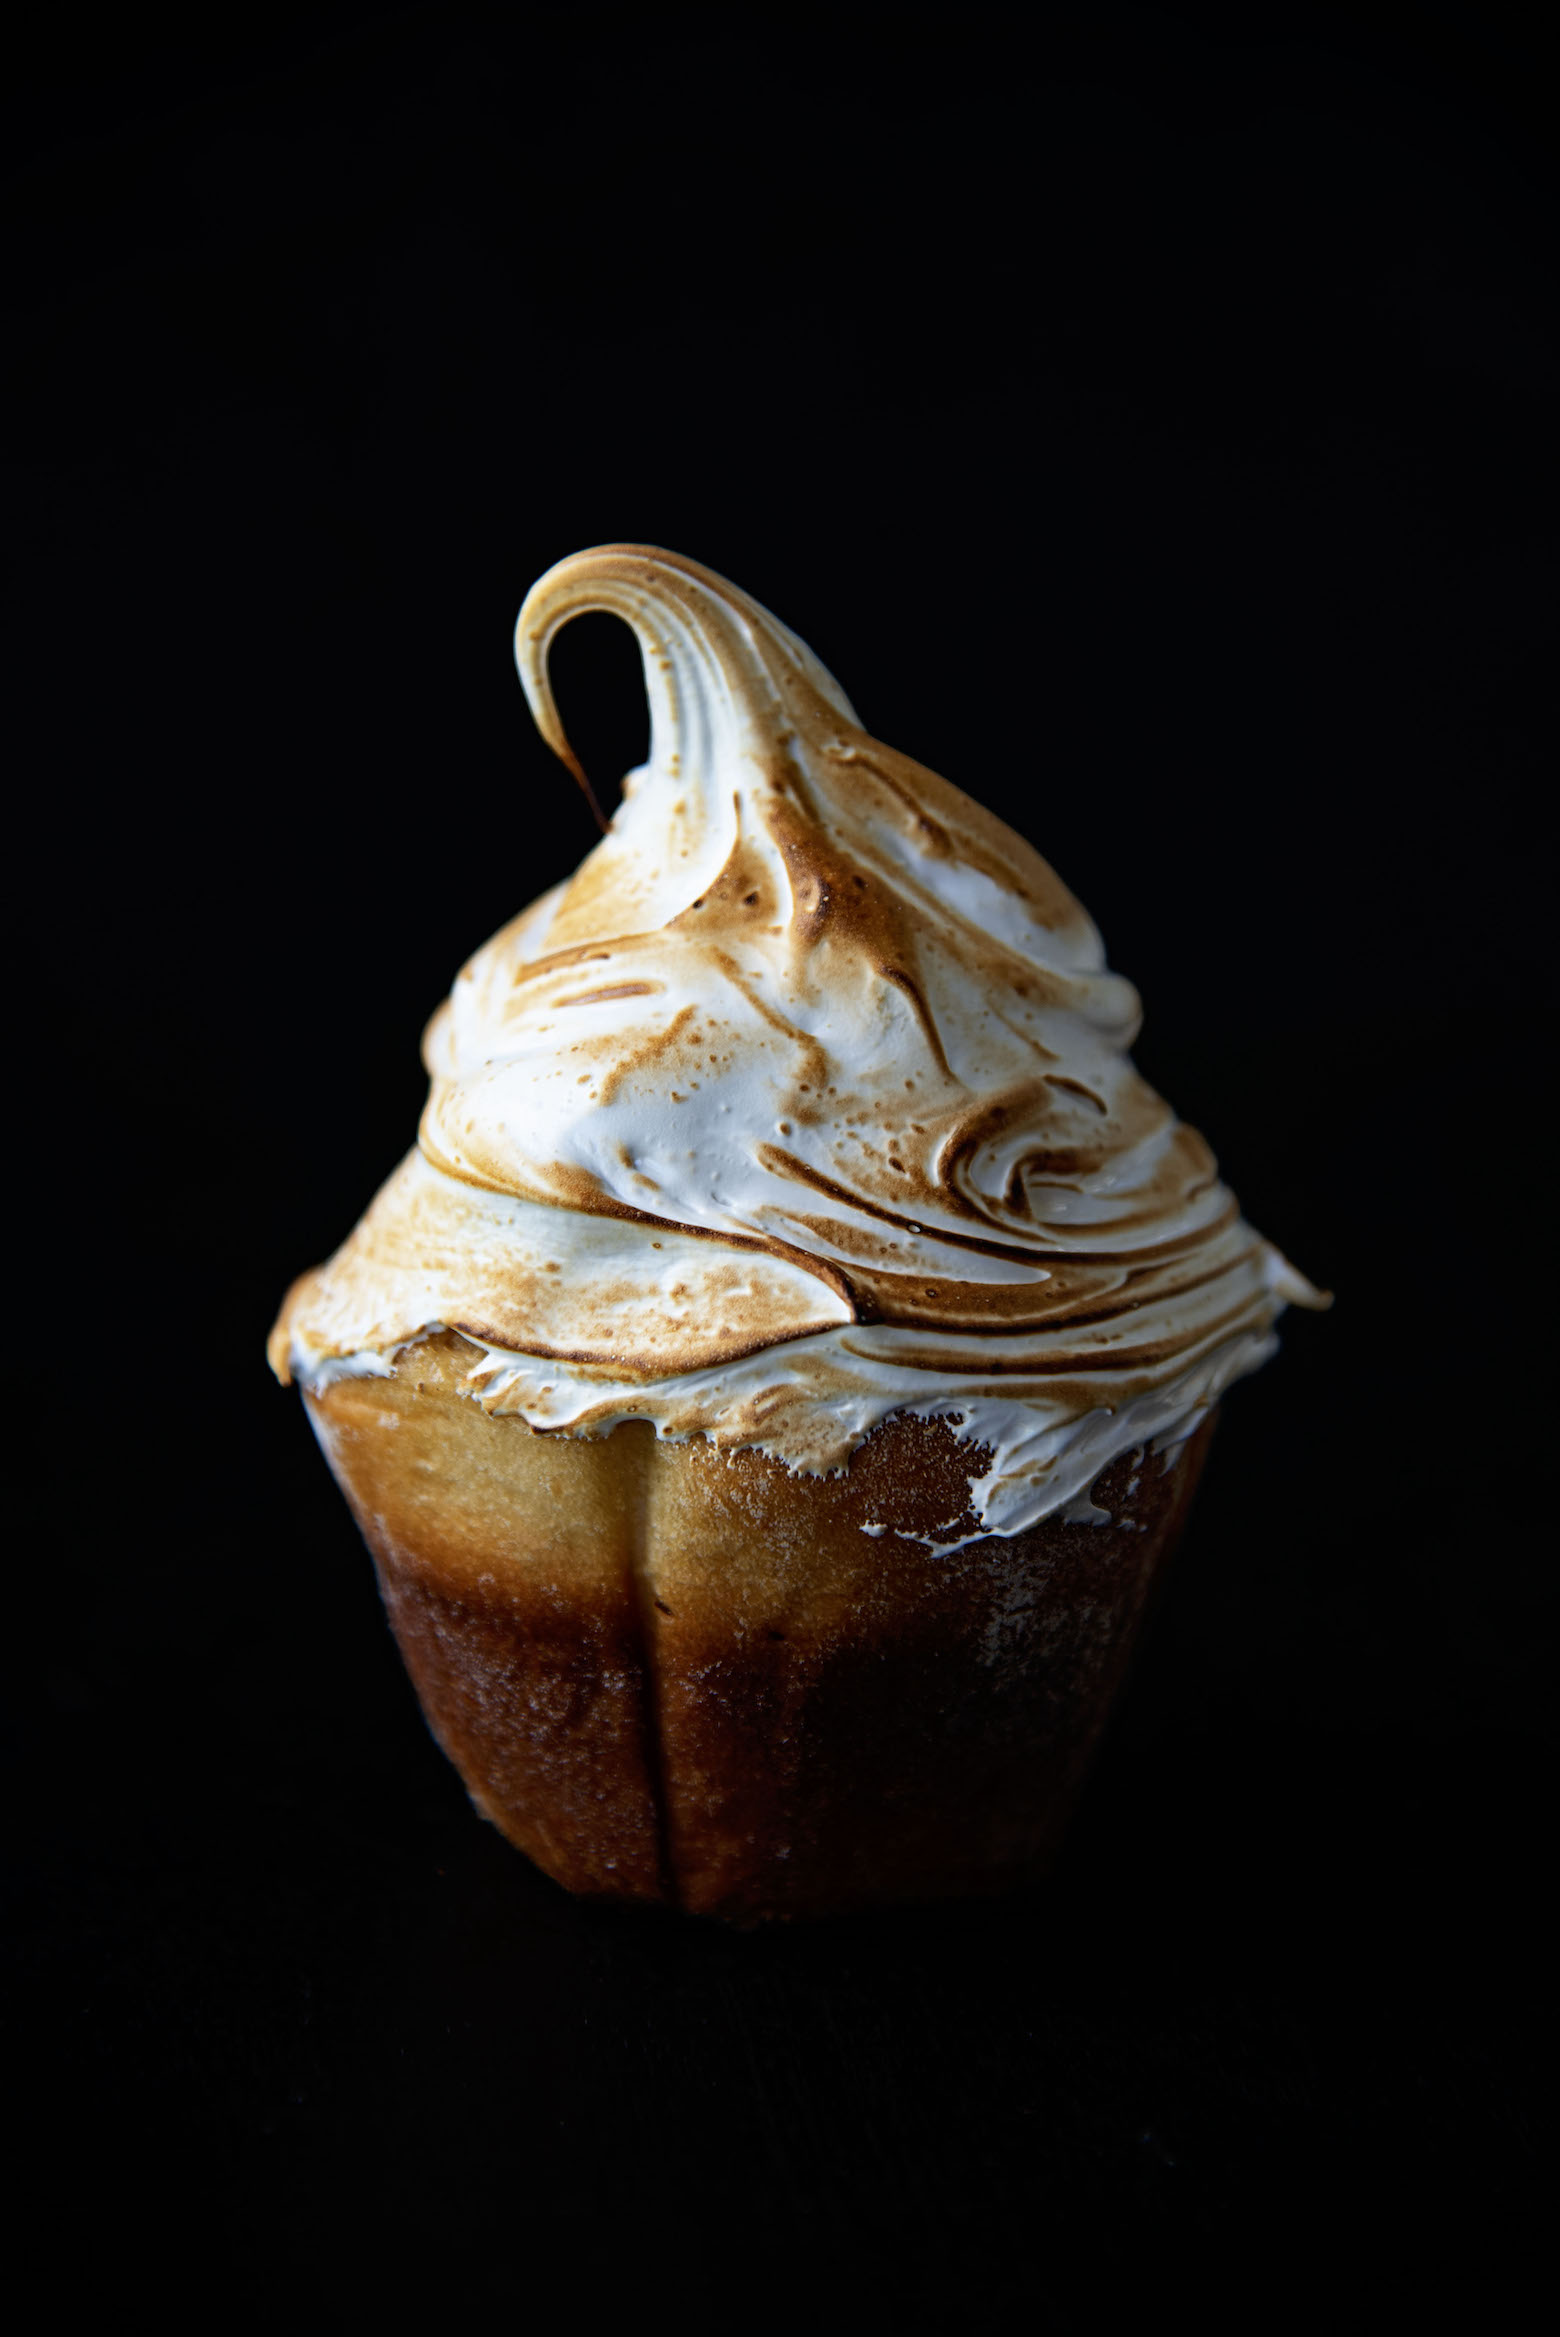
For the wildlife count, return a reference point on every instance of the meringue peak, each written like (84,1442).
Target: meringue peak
(890,1007)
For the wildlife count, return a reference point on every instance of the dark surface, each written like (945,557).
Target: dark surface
(1155,433)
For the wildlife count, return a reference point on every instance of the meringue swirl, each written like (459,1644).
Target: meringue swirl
(806,1099)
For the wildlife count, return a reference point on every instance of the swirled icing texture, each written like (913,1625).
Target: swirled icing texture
(806,1099)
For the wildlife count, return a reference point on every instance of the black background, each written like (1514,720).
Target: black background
(1153,427)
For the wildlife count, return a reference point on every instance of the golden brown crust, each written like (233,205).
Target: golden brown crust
(506,1564)
(671,1673)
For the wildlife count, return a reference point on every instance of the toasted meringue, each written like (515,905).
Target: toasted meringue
(805,1102)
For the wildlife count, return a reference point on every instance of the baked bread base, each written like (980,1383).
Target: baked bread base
(673,1674)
